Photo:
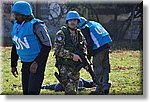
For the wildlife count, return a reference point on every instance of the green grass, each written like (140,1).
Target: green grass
(126,74)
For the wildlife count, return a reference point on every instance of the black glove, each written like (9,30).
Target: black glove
(14,71)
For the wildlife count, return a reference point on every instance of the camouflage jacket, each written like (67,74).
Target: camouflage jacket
(66,44)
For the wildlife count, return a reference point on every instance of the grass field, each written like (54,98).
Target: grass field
(126,74)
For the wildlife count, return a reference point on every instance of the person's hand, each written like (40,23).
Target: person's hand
(33,67)
(76,58)
(14,71)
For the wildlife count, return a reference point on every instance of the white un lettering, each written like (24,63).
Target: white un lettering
(98,30)
(21,44)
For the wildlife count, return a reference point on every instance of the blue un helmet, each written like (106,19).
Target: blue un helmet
(72,15)
(82,22)
(22,7)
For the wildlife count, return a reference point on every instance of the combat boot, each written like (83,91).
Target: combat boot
(106,88)
(98,90)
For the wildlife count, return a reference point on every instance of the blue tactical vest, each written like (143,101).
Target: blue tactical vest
(98,34)
(27,43)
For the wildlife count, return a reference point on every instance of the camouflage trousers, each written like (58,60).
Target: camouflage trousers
(69,78)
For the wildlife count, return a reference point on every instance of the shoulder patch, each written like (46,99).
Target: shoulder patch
(59,38)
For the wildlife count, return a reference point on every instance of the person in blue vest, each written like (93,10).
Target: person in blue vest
(31,44)
(98,40)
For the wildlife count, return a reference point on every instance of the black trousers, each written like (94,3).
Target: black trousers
(101,66)
(31,82)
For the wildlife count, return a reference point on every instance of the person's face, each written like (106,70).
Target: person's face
(72,23)
(18,17)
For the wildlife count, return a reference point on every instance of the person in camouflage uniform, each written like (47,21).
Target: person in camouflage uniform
(68,46)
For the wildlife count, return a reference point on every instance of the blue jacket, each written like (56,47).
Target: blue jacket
(96,36)
(27,43)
